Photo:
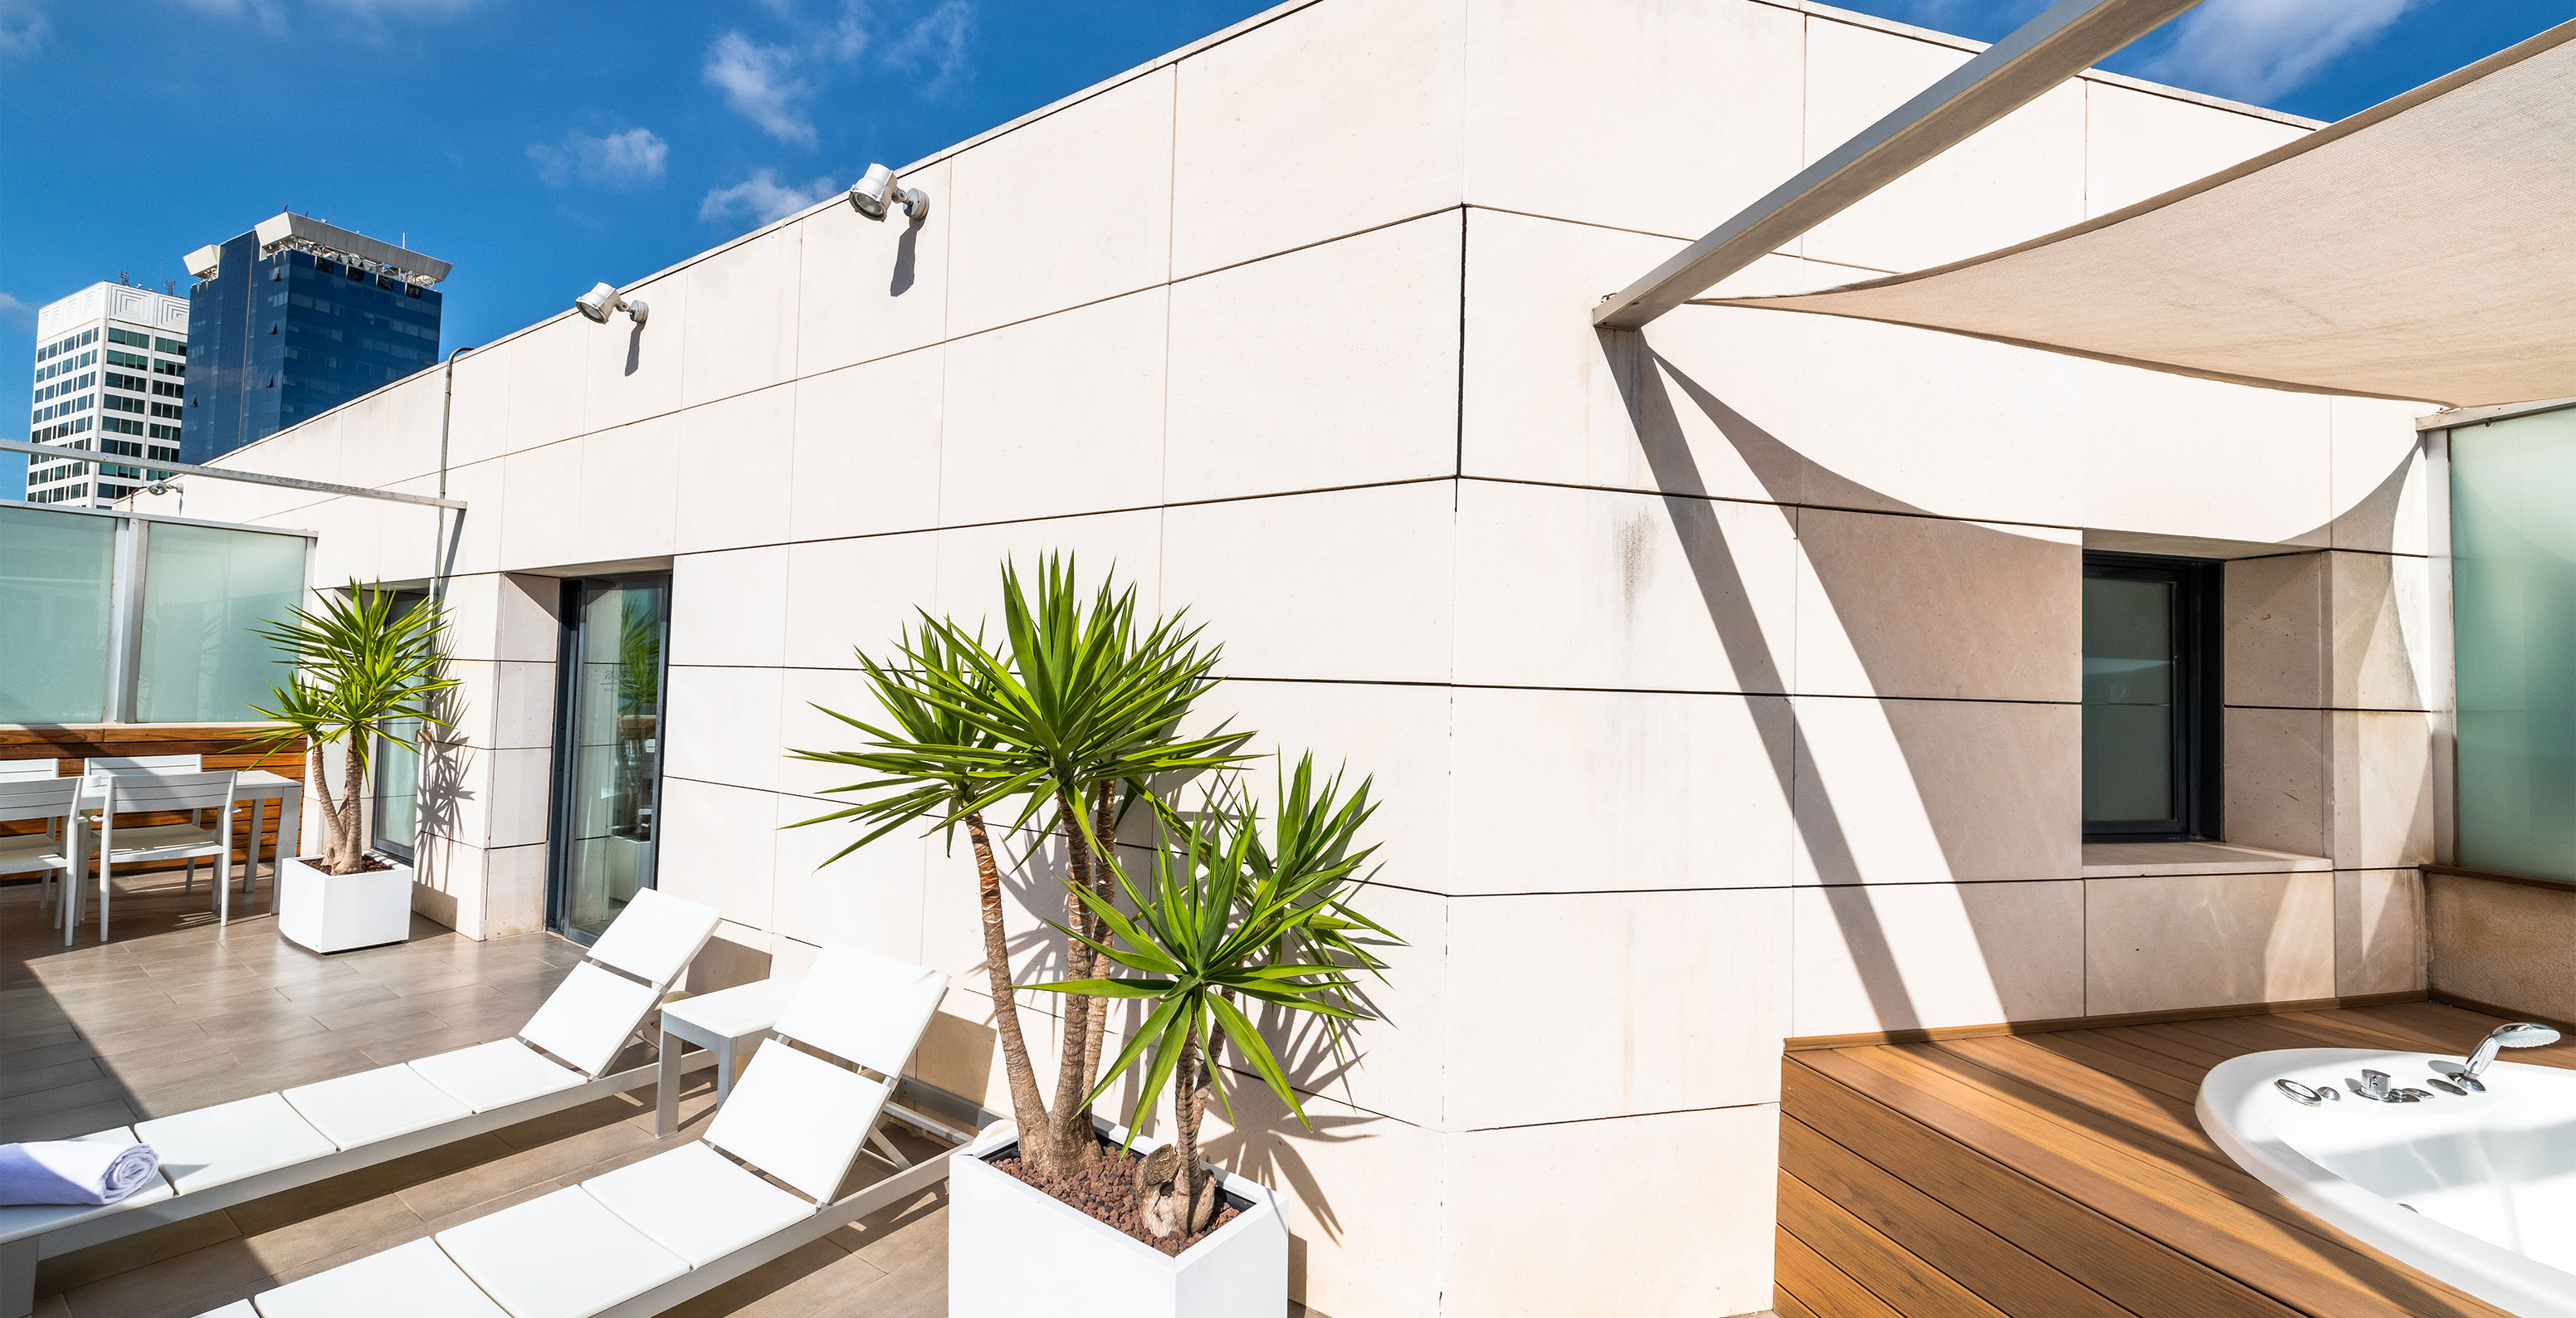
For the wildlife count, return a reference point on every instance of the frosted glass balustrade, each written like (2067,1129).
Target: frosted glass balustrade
(2513,589)
(204,589)
(56,593)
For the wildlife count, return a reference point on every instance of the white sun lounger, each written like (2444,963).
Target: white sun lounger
(232,1153)
(653,1234)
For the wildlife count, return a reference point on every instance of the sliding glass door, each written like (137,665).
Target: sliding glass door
(608,749)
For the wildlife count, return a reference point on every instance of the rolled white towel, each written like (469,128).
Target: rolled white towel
(90,1171)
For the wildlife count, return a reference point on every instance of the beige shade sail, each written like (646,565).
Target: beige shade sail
(2422,249)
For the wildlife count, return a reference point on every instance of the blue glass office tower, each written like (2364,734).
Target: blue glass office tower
(293,319)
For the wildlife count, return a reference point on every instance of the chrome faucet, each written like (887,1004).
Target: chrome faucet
(2518,1034)
(2374,1086)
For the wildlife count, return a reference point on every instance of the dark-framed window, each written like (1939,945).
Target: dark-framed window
(2151,698)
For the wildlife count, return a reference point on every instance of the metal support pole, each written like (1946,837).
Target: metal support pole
(2070,37)
(438,537)
(256,478)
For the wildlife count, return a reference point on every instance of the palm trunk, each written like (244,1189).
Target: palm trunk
(1071,1133)
(330,808)
(1174,1197)
(346,827)
(1105,885)
(1189,1107)
(1028,1108)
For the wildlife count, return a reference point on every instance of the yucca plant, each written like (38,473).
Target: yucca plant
(935,764)
(363,665)
(1229,916)
(1078,702)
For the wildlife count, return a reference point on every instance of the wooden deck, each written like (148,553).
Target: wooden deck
(2064,1175)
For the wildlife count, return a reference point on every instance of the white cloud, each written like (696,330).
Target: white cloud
(936,42)
(771,82)
(847,35)
(13,309)
(619,160)
(23,28)
(2254,50)
(763,198)
(760,83)
(766,82)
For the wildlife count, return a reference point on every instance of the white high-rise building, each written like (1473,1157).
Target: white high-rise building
(111,376)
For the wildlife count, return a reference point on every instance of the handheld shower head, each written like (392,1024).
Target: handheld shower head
(2513,1034)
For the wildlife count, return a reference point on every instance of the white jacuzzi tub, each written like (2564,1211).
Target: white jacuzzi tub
(2478,1190)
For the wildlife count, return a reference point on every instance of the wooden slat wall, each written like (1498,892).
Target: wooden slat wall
(2065,1175)
(68,744)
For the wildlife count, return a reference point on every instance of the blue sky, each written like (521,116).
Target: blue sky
(543,146)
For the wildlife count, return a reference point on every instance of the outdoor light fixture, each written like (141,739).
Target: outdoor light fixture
(879,189)
(602,301)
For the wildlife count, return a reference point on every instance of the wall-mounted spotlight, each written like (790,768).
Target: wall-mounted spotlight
(879,189)
(602,301)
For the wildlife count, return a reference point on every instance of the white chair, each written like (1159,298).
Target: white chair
(13,771)
(155,765)
(98,764)
(158,793)
(653,1234)
(57,859)
(232,1153)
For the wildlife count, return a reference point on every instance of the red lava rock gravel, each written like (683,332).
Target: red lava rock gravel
(1107,1191)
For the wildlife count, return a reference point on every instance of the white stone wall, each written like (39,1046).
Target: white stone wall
(1721,682)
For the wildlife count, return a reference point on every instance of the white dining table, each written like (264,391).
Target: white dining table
(254,787)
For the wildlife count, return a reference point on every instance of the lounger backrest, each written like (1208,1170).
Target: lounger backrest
(17,770)
(169,791)
(38,798)
(589,1016)
(798,1118)
(144,764)
(655,937)
(801,1118)
(863,1008)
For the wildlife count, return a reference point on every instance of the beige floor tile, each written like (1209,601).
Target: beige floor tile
(378,1222)
(67,1123)
(15,1081)
(502,1176)
(69,1048)
(88,1267)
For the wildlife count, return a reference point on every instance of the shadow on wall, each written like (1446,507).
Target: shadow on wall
(1934,740)
(904,247)
(439,798)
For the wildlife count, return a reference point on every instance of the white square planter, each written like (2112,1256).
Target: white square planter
(1015,1251)
(336,912)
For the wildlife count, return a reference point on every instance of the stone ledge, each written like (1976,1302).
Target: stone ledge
(2125,860)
